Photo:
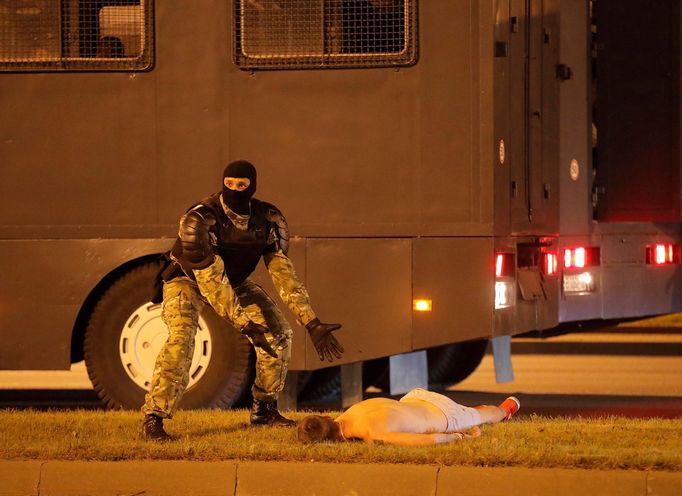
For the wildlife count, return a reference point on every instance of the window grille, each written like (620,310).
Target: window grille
(73,35)
(289,34)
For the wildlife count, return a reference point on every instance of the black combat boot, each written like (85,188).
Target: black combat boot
(265,413)
(152,429)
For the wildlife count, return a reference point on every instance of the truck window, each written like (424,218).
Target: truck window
(80,35)
(290,34)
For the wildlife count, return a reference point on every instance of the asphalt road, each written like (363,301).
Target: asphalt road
(633,372)
(626,371)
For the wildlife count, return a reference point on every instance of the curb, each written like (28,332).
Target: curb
(242,478)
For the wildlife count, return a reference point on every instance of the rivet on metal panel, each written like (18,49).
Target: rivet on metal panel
(574,169)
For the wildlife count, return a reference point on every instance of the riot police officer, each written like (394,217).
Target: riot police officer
(220,241)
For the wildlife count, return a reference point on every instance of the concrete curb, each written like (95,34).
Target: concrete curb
(242,478)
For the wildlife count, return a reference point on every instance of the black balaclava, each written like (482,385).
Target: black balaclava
(238,201)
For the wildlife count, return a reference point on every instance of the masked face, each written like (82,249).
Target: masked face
(239,185)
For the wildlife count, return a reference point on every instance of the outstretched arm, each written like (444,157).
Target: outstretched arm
(290,288)
(413,439)
(292,291)
(294,294)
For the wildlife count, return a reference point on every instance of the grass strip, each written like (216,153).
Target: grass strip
(213,435)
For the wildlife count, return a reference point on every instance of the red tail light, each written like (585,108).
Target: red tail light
(663,254)
(504,265)
(550,264)
(581,257)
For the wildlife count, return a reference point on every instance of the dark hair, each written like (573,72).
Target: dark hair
(316,428)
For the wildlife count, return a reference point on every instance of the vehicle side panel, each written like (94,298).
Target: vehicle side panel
(42,293)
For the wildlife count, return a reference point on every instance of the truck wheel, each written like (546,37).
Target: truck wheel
(125,334)
(322,385)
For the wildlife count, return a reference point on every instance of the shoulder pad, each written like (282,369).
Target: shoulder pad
(278,225)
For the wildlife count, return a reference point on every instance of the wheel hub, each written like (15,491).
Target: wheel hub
(142,338)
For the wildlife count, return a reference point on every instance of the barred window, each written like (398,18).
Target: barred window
(96,35)
(288,34)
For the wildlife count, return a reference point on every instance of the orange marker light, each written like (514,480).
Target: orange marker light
(422,305)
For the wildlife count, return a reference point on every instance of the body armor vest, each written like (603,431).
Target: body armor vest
(240,250)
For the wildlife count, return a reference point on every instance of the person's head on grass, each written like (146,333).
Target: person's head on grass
(318,428)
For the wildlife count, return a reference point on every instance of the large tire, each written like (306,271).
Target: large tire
(322,385)
(125,333)
(448,365)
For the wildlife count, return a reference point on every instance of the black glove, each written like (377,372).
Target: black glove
(326,344)
(256,333)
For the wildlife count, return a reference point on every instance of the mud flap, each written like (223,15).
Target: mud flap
(408,371)
(502,359)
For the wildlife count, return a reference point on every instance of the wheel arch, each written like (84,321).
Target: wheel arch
(81,322)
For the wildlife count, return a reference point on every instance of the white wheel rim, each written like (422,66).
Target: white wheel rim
(143,336)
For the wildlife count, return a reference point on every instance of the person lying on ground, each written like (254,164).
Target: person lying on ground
(420,418)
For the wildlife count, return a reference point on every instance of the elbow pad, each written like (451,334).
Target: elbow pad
(195,240)
(279,231)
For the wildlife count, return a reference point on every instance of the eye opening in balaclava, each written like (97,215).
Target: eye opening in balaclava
(238,201)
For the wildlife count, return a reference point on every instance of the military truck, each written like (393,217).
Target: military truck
(452,171)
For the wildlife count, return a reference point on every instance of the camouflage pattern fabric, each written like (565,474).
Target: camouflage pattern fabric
(182,304)
(270,372)
(290,289)
(216,289)
(241,222)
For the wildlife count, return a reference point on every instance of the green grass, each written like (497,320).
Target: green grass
(607,443)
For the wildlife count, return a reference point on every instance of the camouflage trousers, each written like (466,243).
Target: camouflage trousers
(182,304)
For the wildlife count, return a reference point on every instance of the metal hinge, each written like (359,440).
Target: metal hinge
(597,191)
